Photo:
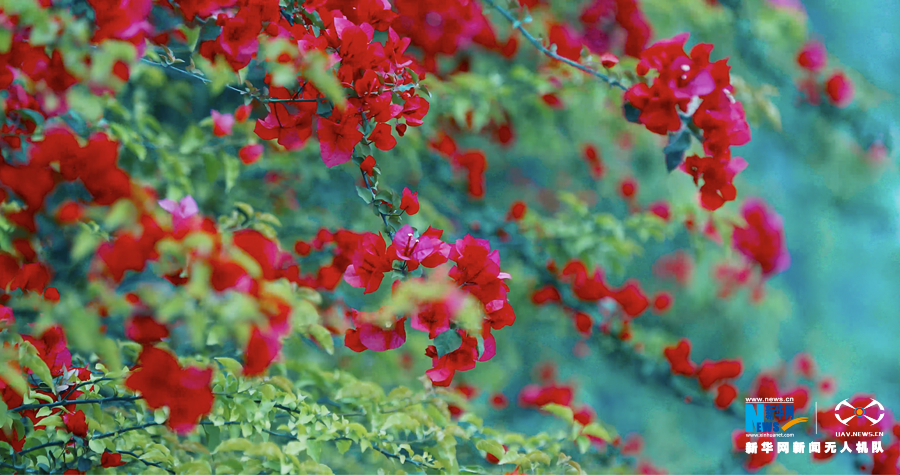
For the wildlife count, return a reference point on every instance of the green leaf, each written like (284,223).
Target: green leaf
(97,446)
(365,194)
(231,364)
(315,68)
(323,337)
(596,430)
(447,342)
(234,445)
(232,170)
(674,151)
(343,446)
(563,412)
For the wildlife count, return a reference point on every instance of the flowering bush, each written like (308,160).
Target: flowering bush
(188,282)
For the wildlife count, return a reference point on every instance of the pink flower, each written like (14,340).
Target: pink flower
(181,211)
(427,249)
(222,123)
(338,139)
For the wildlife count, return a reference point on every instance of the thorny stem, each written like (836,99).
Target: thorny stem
(537,44)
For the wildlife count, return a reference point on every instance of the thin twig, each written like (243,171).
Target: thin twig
(537,44)
(145,462)
(26,407)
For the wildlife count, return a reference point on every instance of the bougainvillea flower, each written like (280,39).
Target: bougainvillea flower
(711,372)
(367,336)
(679,357)
(262,349)
(725,395)
(76,423)
(53,348)
(382,138)
(534,395)
(410,202)
(370,262)
(337,139)
(632,299)
(144,329)
(163,382)
(812,56)
(839,89)
(250,153)
(222,123)
(181,211)
(762,239)
(111,459)
(433,318)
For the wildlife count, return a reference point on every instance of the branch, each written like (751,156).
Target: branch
(375,204)
(145,462)
(537,44)
(26,407)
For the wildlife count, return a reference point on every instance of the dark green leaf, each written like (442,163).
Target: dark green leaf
(632,114)
(678,144)
(447,342)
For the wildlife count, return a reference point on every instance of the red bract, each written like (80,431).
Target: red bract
(711,372)
(725,395)
(839,89)
(516,211)
(499,401)
(370,262)
(250,153)
(677,266)
(222,123)
(409,202)
(593,159)
(111,459)
(53,348)
(662,302)
(632,299)
(762,239)
(679,357)
(290,122)
(76,423)
(533,395)
(262,349)
(545,294)
(462,359)
(812,56)
(338,139)
(717,174)
(163,382)
(367,336)
(144,329)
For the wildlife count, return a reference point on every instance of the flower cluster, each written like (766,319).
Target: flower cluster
(689,90)
(476,273)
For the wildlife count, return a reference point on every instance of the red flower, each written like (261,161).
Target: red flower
(367,336)
(242,113)
(661,209)
(222,123)
(409,202)
(711,372)
(144,329)
(262,349)
(370,262)
(679,357)
(812,56)
(632,299)
(111,459)
(52,348)
(717,174)
(677,266)
(584,323)
(516,211)
(337,139)
(608,60)
(250,153)
(545,294)
(163,382)
(593,159)
(725,395)
(662,302)
(382,138)
(433,318)
(533,395)
(76,423)
(499,401)
(839,89)
(367,165)
(762,240)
